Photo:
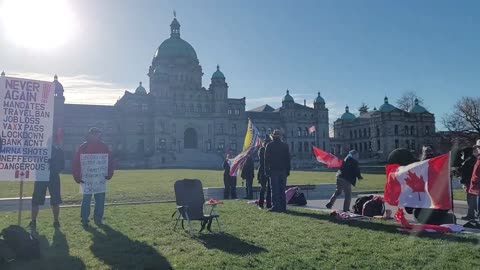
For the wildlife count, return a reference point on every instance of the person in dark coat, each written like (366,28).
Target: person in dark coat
(263,178)
(248,175)
(347,176)
(230,182)
(465,171)
(277,166)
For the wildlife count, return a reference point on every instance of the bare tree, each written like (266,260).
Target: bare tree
(465,116)
(407,100)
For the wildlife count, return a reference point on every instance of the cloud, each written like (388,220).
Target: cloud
(81,89)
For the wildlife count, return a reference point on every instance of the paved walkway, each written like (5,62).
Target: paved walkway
(460,207)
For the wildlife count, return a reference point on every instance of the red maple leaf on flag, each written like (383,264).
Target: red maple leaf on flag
(415,183)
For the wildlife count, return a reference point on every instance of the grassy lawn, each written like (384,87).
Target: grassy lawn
(141,237)
(145,185)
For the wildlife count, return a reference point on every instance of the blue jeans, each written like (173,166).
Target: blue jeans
(279,184)
(98,210)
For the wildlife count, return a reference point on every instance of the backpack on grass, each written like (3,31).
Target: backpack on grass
(374,207)
(298,199)
(23,244)
(359,202)
(6,254)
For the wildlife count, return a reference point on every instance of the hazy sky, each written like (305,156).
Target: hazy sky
(350,51)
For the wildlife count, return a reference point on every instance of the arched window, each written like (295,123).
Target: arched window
(412,131)
(306,132)
(396,130)
(234,129)
(305,147)
(299,132)
(406,130)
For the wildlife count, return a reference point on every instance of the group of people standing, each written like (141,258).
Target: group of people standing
(92,145)
(274,158)
(469,172)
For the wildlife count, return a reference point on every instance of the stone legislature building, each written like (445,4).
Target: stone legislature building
(374,134)
(180,123)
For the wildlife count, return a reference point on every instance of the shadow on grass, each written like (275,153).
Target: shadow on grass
(53,256)
(367,224)
(120,252)
(228,243)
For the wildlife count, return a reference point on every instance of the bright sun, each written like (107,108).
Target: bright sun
(37,24)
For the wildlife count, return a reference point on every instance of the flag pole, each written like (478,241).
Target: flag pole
(20,201)
(451,186)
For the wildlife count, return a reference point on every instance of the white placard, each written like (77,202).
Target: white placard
(26,128)
(94,169)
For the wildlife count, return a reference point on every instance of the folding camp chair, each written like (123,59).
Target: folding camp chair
(190,205)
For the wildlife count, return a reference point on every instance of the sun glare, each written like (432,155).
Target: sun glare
(37,24)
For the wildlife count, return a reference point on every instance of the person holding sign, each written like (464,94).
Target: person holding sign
(56,165)
(92,167)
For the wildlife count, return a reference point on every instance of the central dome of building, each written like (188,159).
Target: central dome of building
(175,47)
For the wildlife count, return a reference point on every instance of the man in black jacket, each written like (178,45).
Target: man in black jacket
(346,177)
(230,182)
(248,174)
(277,166)
(465,170)
(264,179)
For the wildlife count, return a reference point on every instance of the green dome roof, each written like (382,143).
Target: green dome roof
(347,115)
(288,98)
(218,74)
(140,90)
(175,46)
(417,108)
(386,107)
(319,99)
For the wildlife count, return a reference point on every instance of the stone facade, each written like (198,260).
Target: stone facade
(179,123)
(374,134)
(294,120)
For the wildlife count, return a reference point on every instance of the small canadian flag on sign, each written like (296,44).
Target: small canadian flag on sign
(423,184)
(19,174)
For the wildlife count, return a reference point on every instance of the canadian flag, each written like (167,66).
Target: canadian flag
(423,184)
(311,129)
(326,158)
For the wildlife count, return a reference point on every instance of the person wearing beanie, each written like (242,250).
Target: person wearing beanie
(264,179)
(465,171)
(93,145)
(347,176)
(277,166)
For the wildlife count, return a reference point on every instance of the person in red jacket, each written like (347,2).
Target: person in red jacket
(475,181)
(93,145)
